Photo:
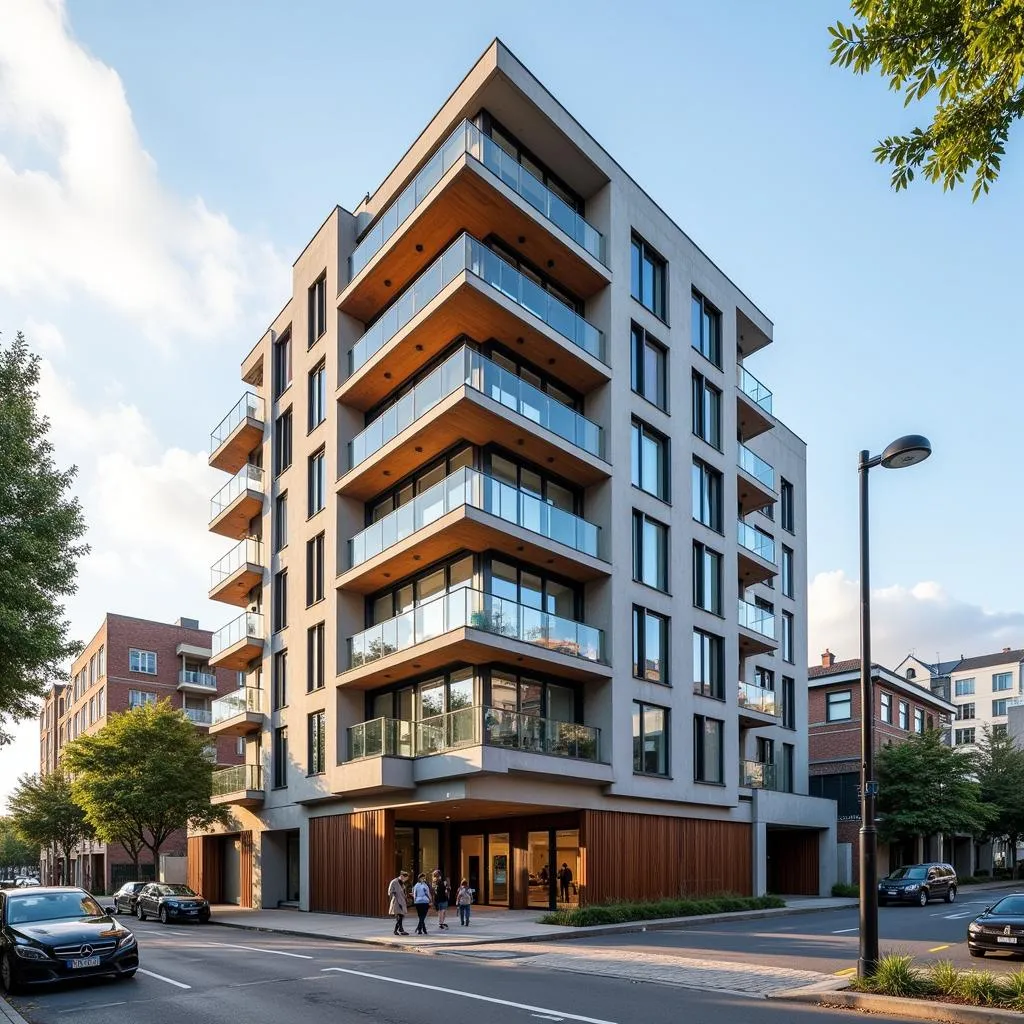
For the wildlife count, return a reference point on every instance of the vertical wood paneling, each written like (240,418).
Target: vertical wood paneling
(205,866)
(195,862)
(351,862)
(245,872)
(792,862)
(648,856)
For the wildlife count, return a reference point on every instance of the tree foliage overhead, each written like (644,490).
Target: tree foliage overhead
(1000,768)
(927,788)
(40,525)
(969,54)
(44,813)
(15,852)
(143,776)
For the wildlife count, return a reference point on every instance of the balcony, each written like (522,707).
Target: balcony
(753,405)
(756,481)
(198,716)
(197,682)
(471,184)
(237,434)
(233,576)
(473,511)
(756,554)
(469,397)
(757,629)
(758,706)
(237,502)
(237,713)
(471,626)
(239,642)
(241,785)
(474,289)
(758,775)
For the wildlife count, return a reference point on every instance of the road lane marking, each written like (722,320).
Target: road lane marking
(842,931)
(546,1011)
(93,1006)
(937,949)
(160,977)
(546,1016)
(845,971)
(256,949)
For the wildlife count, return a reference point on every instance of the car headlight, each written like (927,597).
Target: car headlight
(128,939)
(913,888)
(974,928)
(30,953)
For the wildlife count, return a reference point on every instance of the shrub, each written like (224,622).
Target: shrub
(621,913)
(944,978)
(980,987)
(845,890)
(897,976)
(1013,990)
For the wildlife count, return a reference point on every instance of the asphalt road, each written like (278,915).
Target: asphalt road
(827,941)
(218,975)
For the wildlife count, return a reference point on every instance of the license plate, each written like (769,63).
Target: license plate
(892,892)
(191,911)
(1010,940)
(88,961)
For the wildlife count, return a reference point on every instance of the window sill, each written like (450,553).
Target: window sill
(654,682)
(657,497)
(274,789)
(319,600)
(316,426)
(651,402)
(651,775)
(711,444)
(315,775)
(660,319)
(313,515)
(707,359)
(709,696)
(705,782)
(707,526)
(651,586)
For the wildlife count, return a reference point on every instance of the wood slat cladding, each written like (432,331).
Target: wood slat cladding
(206,866)
(792,862)
(350,862)
(648,856)
(245,872)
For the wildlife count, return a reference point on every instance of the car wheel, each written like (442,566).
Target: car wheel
(976,952)
(8,977)
(922,898)
(139,912)
(163,915)
(951,894)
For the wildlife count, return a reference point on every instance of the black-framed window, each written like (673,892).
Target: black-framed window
(885,707)
(788,767)
(904,713)
(708,664)
(283,442)
(764,677)
(316,743)
(787,501)
(788,576)
(650,739)
(788,653)
(315,657)
(279,680)
(706,329)
(788,702)
(426,476)
(650,551)
(707,495)
(839,706)
(315,569)
(962,736)
(532,587)
(919,719)
(542,379)
(280,757)
(649,460)
(280,526)
(534,273)
(843,787)
(282,363)
(317,309)
(280,600)
(707,578)
(707,411)
(650,645)
(425,586)
(966,712)
(648,368)
(551,489)
(708,752)
(521,693)
(317,481)
(647,277)
(317,395)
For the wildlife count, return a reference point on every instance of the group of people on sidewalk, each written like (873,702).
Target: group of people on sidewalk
(437,892)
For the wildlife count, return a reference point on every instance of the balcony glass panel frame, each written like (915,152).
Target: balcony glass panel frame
(189,677)
(244,700)
(239,778)
(248,624)
(247,551)
(752,697)
(760,544)
(758,620)
(753,464)
(248,478)
(753,388)
(758,775)
(249,406)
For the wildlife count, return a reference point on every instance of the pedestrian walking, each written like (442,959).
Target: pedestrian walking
(398,907)
(442,893)
(464,901)
(564,881)
(421,900)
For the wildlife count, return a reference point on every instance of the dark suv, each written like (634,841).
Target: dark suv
(918,883)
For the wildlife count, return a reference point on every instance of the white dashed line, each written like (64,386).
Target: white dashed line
(843,931)
(160,977)
(256,949)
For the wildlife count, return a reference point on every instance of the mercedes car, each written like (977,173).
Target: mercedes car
(168,902)
(999,928)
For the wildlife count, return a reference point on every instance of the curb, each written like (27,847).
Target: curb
(9,1015)
(916,1009)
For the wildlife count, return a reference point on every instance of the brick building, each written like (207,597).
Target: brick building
(127,663)
(902,708)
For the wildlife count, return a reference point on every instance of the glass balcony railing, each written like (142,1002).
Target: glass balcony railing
(237,702)
(208,680)
(477,490)
(756,467)
(388,737)
(757,619)
(757,775)
(759,698)
(250,406)
(754,540)
(753,389)
(476,610)
(249,624)
(237,779)
(468,139)
(198,716)
(467,367)
(467,254)
(245,551)
(248,478)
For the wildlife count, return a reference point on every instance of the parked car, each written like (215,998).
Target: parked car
(8,883)
(999,927)
(24,883)
(171,903)
(918,883)
(127,896)
(56,933)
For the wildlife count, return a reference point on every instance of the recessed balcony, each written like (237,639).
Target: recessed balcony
(241,785)
(238,643)
(469,510)
(235,437)
(472,626)
(758,706)
(757,629)
(471,184)
(190,681)
(753,405)
(199,716)
(755,483)
(238,713)
(756,554)
(469,397)
(470,289)
(233,576)
(758,775)
(239,501)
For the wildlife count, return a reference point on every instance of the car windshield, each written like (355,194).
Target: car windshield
(912,872)
(1010,906)
(176,890)
(51,906)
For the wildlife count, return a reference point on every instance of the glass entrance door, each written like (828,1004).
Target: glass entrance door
(499,868)
(538,857)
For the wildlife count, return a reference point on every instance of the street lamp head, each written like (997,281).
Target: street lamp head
(905,451)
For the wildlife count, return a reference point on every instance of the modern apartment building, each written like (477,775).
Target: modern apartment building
(519,546)
(127,663)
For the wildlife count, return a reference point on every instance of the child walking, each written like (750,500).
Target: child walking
(464,901)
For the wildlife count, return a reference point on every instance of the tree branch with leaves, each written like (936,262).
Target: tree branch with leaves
(43,812)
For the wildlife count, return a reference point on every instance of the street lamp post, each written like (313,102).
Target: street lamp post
(904,451)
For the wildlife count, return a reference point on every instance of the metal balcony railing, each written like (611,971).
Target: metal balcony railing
(753,388)
(250,406)
(758,775)
(248,478)
(756,467)
(245,551)
(759,698)
(757,619)
(753,540)
(248,624)
(237,779)
(238,702)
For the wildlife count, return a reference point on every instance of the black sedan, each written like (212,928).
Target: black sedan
(171,903)
(50,934)
(127,896)
(998,928)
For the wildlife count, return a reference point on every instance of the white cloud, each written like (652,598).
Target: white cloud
(45,338)
(89,215)
(924,619)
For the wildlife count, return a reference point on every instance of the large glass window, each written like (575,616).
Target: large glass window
(648,368)
(650,739)
(650,645)
(316,743)
(281,757)
(318,308)
(1002,681)
(998,707)
(283,442)
(706,329)
(280,600)
(839,706)
(282,357)
(317,396)
(279,681)
(707,495)
(315,569)
(788,510)
(707,411)
(708,664)
(317,482)
(963,736)
(142,661)
(707,579)
(315,657)
(788,653)
(647,277)
(650,551)
(649,460)
(708,761)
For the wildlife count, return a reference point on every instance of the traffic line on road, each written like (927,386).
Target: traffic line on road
(257,949)
(938,949)
(843,931)
(160,977)
(845,971)
(546,1012)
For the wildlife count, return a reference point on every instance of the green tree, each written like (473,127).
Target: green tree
(14,851)
(1000,768)
(927,788)
(44,813)
(39,527)
(970,53)
(143,776)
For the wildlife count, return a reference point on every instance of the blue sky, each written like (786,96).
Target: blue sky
(893,312)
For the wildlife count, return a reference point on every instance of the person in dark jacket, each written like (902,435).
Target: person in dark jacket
(441,891)
(564,881)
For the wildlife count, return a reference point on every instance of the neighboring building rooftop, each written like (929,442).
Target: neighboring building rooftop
(1004,657)
(830,672)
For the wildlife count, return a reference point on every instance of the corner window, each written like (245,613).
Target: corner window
(650,645)
(648,368)
(649,460)
(707,579)
(316,742)
(707,750)
(318,308)
(707,411)
(647,277)
(650,551)
(706,329)
(142,661)
(839,706)
(707,495)
(708,665)
(650,739)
